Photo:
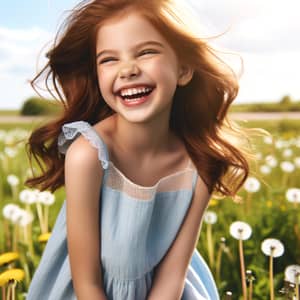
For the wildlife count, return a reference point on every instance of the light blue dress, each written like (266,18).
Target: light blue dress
(138,225)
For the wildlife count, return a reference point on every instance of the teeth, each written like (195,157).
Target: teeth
(130,92)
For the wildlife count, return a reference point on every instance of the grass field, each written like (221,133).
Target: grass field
(267,210)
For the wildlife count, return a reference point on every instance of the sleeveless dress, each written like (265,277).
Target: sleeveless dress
(138,225)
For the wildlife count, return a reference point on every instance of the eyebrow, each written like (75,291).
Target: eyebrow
(134,47)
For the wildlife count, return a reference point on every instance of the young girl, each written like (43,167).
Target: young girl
(142,143)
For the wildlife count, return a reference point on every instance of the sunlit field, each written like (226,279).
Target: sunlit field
(252,246)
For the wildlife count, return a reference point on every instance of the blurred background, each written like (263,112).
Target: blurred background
(265,33)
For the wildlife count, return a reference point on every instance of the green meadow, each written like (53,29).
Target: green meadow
(269,205)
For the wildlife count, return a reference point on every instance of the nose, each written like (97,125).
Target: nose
(129,70)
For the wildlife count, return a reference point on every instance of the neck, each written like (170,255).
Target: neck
(143,140)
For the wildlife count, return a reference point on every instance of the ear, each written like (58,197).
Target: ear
(185,75)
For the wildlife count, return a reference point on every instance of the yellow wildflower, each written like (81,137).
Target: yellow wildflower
(282,207)
(8,257)
(11,274)
(44,237)
(213,202)
(269,203)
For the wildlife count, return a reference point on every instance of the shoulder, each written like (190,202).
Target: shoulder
(81,155)
(201,193)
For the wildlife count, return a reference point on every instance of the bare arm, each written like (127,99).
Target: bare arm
(170,274)
(83,178)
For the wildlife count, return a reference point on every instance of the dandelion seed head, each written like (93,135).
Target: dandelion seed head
(268,140)
(287,166)
(293,195)
(10,152)
(252,185)
(210,217)
(292,274)
(272,247)
(265,169)
(297,162)
(9,209)
(287,153)
(271,161)
(13,180)
(28,196)
(240,230)
(46,198)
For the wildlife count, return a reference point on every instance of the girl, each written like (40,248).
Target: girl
(142,143)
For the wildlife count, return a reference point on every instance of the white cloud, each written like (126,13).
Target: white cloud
(265,33)
(20,53)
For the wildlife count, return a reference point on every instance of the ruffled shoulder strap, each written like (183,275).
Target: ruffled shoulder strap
(70,131)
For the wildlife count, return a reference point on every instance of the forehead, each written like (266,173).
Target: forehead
(127,29)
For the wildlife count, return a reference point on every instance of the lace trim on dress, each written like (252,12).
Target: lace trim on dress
(71,130)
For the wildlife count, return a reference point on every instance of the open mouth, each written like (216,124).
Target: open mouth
(137,96)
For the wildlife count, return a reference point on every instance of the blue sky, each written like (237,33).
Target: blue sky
(265,34)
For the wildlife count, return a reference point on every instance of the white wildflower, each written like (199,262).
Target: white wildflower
(252,185)
(292,273)
(293,195)
(210,217)
(272,247)
(240,230)
(13,180)
(287,153)
(287,167)
(9,209)
(271,161)
(297,161)
(46,198)
(28,196)
(265,169)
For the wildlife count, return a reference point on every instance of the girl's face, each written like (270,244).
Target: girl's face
(133,60)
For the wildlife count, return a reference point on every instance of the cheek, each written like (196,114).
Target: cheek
(103,81)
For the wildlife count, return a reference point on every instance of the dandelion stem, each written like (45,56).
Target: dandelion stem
(244,286)
(218,262)
(14,246)
(8,291)
(7,235)
(210,245)
(3,293)
(271,276)
(46,218)
(13,291)
(250,289)
(40,216)
(248,202)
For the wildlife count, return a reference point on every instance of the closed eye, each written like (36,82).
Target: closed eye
(107,60)
(144,52)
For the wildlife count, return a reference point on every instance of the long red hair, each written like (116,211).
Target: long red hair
(199,113)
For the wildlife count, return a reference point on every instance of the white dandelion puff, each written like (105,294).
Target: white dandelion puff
(24,218)
(271,161)
(272,247)
(297,162)
(10,152)
(287,166)
(287,153)
(46,198)
(13,180)
(240,230)
(210,217)
(28,196)
(265,169)
(292,274)
(268,140)
(293,195)
(252,185)
(8,210)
